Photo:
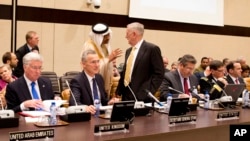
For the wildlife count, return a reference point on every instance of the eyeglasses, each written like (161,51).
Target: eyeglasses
(36,67)
(220,70)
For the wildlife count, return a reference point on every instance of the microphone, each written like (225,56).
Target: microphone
(77,108)
(138,104)
(194,94)
(170,88)
(153,97)
(224,98)
(5,113)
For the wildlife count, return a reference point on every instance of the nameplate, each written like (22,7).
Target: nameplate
(228,114)
(111,127)
(30,135)
(181,119)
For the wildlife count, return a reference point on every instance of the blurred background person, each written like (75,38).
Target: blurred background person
(204,63)
(32,40)
(10,59)
(99,41)
(174,66)
(245,71)
(165,64)
(6,77)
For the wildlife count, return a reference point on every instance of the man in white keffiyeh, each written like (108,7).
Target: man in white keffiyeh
(100,42)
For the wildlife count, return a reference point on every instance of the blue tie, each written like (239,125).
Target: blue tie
(33,90)
(95,92)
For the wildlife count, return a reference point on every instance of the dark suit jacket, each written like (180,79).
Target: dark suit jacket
(209,84)
(18,71)
(173,80)
(82,91)
(230,80)
(18,92)
(147,73)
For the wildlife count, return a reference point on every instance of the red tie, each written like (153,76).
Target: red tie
(186,91)
(236,81)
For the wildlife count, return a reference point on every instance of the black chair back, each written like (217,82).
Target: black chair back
(54,80)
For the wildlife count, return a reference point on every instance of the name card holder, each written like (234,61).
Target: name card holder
(9,122)
(228,115)
(111,127)
(32,135)
(173,120)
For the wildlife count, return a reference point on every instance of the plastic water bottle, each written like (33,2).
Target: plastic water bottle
(207,97)
(169,100)
(97,107)
(52,118)
(245,98)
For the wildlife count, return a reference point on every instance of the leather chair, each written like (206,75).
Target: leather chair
(74,73)
(54,80)
(65,91)
(247,82)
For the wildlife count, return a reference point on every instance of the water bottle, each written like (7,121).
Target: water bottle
(52,118)
(97,107)
(207,97)
(169,100)
(245,98)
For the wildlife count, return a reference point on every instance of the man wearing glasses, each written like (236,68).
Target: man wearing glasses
(27,92)
(181,79)
(215,82)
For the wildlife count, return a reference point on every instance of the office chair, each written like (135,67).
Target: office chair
(74,73)
(54,80)
(65,92)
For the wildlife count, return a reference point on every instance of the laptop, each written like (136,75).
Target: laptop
(234,90)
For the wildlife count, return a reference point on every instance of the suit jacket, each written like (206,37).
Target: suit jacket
(173,80)
(230,80)
(82,91)
(213,87)
(147,73)
(18,92)
(18,71)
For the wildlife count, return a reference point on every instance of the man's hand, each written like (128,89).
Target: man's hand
(183,96)
(91,109)
(37,104)
(114,54)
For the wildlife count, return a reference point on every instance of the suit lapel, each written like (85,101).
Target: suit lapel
(139,56)
(24,88)
(41,86)
(179,82)
(87,86)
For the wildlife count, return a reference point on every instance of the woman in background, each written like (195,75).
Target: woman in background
(6,77)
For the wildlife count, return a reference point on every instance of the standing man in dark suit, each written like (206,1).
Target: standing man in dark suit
(32,40)
(234,73)
(28,91)
(176,79)
(84,84)
(143,67)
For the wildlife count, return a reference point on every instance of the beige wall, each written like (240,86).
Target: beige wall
(61,44)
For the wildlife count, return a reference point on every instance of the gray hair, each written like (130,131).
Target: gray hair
(86,53)
(187,59)
(32,56)
(137,27)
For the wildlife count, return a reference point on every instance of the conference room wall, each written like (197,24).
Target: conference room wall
(61,44)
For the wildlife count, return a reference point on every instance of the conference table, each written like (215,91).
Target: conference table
(145,128)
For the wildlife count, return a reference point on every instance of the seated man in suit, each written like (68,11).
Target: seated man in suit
(215,82)
(234,73)
(181,79)
(88,86)
(28,91)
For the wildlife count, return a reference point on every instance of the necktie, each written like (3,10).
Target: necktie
(33,90)
(129,67)
(236,81)
(95,92)
(186,91)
